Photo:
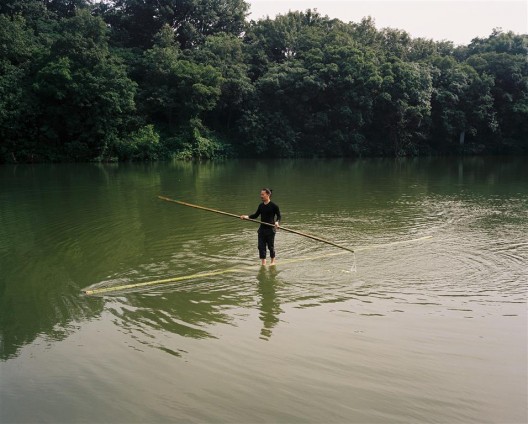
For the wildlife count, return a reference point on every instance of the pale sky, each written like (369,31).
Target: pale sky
(457,21)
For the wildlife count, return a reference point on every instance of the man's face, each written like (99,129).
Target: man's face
(264,196)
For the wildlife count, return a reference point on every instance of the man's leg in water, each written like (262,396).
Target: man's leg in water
(262,248)
(271,247)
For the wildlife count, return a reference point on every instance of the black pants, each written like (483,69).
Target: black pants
(266,238)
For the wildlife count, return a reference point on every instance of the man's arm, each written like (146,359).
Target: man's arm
(254,216)
(278,215)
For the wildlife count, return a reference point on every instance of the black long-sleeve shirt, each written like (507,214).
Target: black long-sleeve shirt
(267,214)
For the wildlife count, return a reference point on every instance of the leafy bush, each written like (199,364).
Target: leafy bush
(142,145)
(197,142)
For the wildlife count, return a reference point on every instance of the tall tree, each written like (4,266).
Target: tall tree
(402,108)
(224,52)
(175,92)
(18,48)
(136,22)
(503,57)
(175,89)
(83,92)
(314,88)
(462,107)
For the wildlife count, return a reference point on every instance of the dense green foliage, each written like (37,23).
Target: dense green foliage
(144,79)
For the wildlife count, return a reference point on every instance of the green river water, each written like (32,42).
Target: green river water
(432,331)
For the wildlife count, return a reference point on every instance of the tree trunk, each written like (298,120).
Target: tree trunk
(462,137)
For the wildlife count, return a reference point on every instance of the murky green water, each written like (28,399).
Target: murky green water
(428,331)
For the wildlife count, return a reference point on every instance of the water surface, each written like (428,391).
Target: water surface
(428,331)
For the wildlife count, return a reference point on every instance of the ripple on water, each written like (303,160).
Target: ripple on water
(461,269)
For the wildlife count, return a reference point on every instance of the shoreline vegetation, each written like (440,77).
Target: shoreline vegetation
(130,80)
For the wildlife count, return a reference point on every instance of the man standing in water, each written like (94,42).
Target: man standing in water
(269,213)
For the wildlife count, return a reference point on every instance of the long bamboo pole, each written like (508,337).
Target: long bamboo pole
(310,236)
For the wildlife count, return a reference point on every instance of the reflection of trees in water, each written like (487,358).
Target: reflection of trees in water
(185,313)
(192,312)
(269,304)
(63,228)
(52,311)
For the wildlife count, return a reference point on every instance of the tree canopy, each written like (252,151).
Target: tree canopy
(140,79)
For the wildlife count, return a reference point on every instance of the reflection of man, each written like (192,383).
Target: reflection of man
(269,305)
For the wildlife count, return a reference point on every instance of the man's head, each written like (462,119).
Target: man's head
(265,194)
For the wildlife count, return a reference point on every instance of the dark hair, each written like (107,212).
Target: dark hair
(268,191)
